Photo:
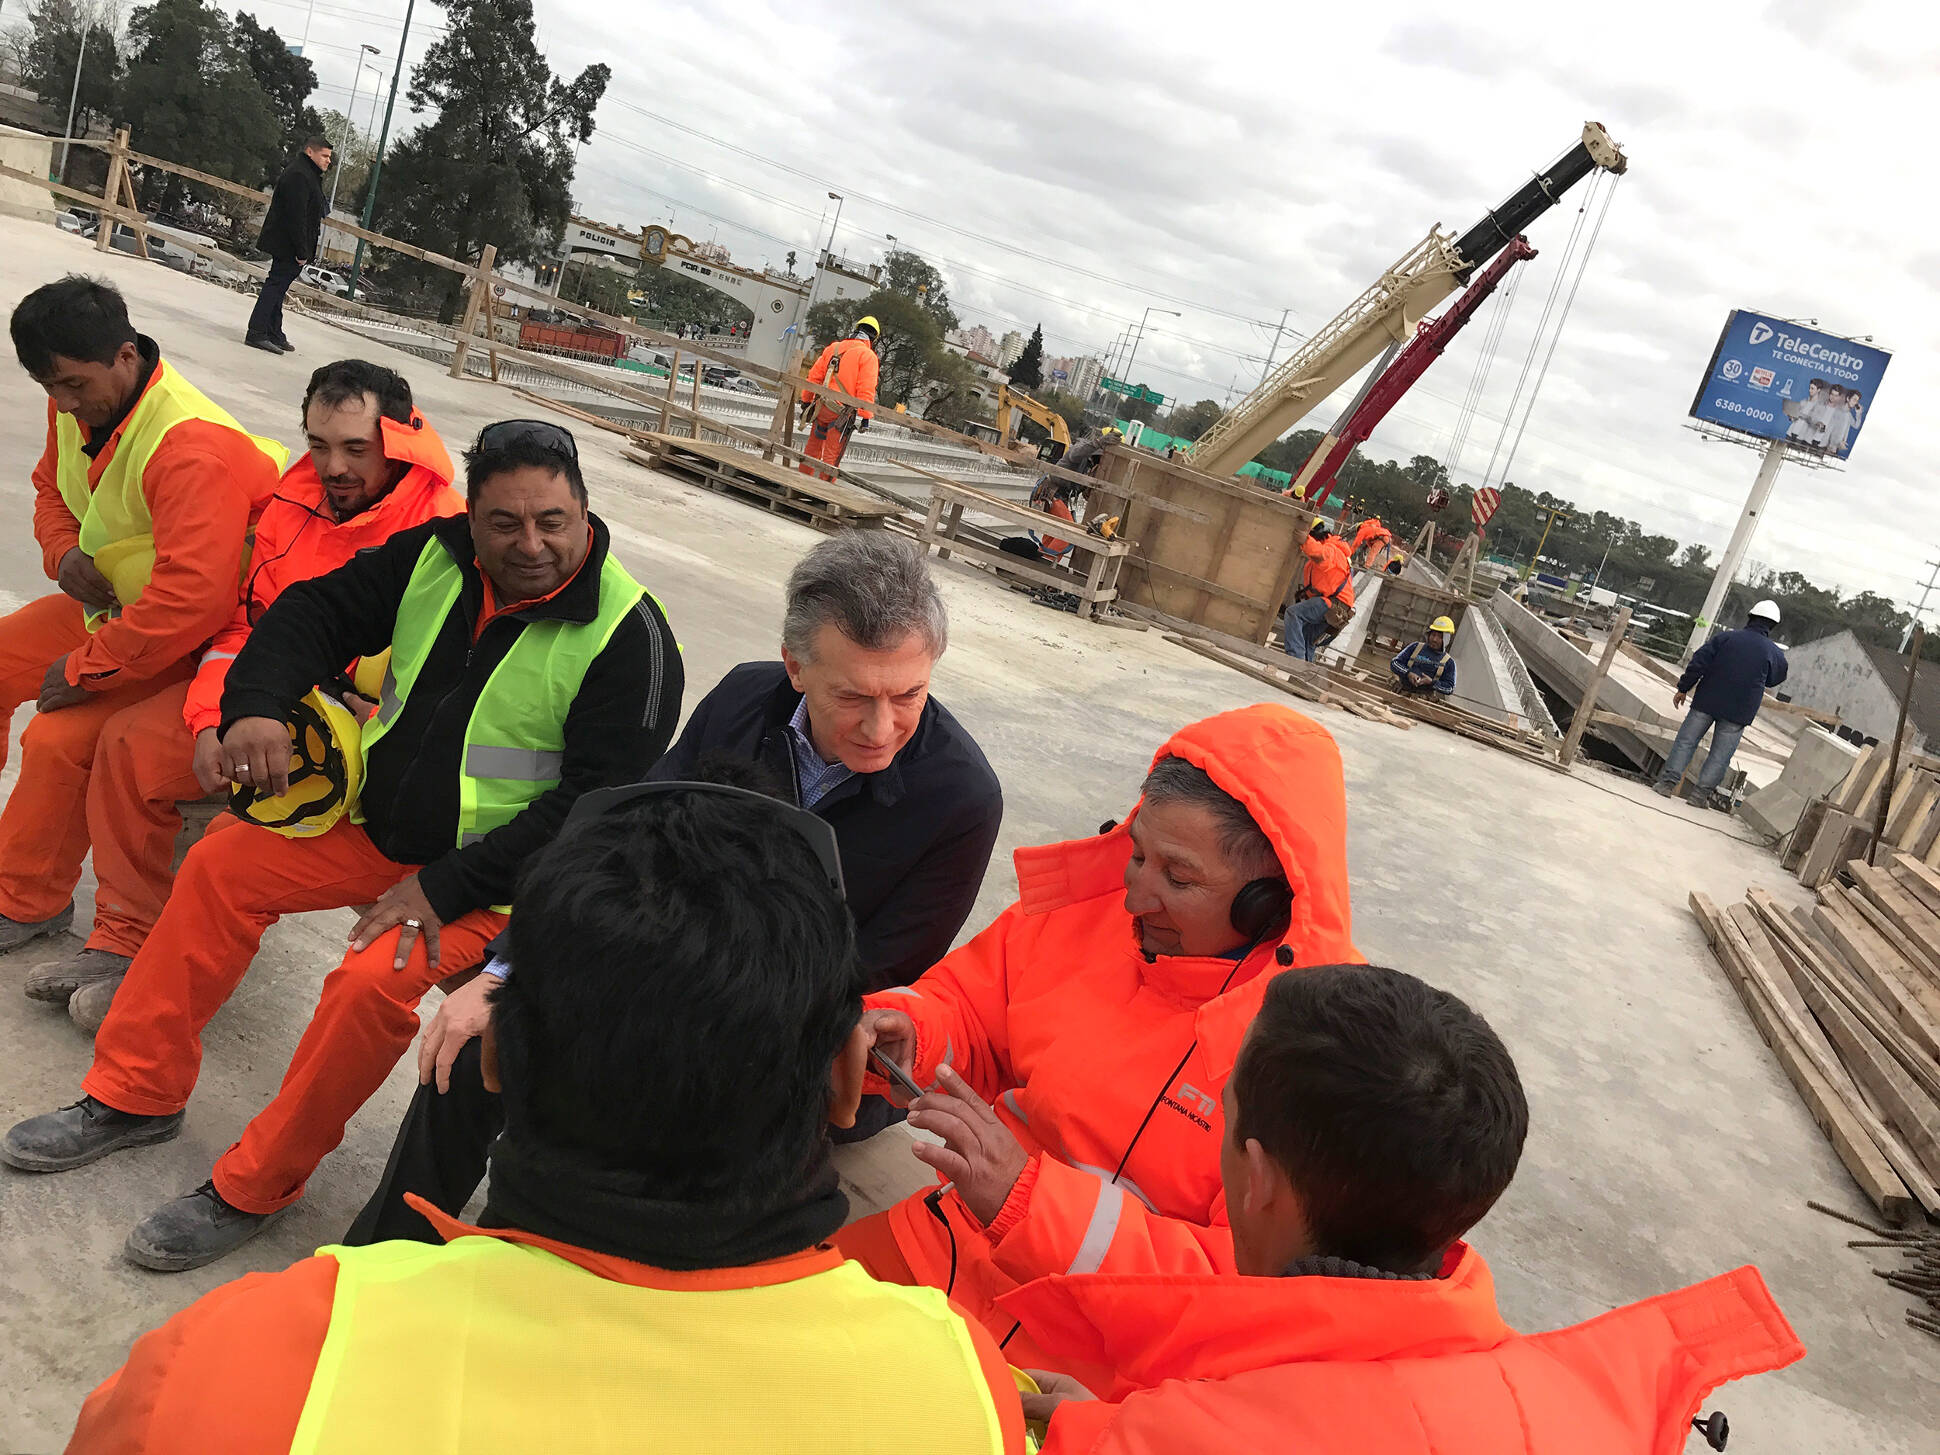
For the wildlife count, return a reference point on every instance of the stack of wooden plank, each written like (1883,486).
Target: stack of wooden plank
(1848,997)
(1839,827)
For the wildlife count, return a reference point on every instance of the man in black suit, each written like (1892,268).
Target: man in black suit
(291,229)
(845,724)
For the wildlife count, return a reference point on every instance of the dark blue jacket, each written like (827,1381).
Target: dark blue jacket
(915,838)
(1419,657)
(1732,671)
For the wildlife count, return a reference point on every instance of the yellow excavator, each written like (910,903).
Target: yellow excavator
(1013,402)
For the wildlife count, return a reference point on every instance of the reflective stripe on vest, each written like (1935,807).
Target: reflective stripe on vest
(487,1346)
(515,742)
(114,508)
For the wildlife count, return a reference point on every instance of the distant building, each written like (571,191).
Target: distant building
(713,252)
(1010,349)
(1085,376)
(1863,685)
(974,340)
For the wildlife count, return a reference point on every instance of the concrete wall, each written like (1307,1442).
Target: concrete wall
(1834,674)
(26,151)
(1566,671)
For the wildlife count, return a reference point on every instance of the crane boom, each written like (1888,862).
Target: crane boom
(1390,310)
(1315,482)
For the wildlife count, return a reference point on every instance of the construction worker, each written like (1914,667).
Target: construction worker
(1088,1031)
(1371,539)
(145,496)
(527,667)
(1729,673)
(651,1269)
(1327,591)
(373,467)
(1427,668)
(1370,1121)
(850,365)
(846,725)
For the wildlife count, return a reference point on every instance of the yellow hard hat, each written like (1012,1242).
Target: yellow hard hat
(1111,432)
(368,675)
(1443,625)
(326,772)
(870,323)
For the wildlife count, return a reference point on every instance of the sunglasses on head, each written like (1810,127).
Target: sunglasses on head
(545,435)
(814,832)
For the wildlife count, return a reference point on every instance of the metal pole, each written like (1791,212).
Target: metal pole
(1919,640)
(1276,344)
(1547,523)
(1734,553)
(1139,337)
(344,146)
(377,162)
(1919,611)
(829,251)
(74,97)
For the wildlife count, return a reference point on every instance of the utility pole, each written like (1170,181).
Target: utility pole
(1926,587)
(1139,337)
(377,162)
(1273,347)
(74,96)
(344,145)
(1734,553)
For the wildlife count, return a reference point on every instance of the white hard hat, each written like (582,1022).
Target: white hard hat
(1766,609)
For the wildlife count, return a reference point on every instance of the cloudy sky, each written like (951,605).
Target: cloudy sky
(1071,164)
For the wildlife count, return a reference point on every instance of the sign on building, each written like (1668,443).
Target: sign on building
(1782,381)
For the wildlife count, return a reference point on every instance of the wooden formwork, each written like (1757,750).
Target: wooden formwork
(1402,610)
(1221,554)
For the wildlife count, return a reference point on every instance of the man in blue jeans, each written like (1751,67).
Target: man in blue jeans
(1730,673)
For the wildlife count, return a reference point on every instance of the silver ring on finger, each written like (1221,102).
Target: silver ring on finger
(411,924)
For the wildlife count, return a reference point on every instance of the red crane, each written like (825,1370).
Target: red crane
(1318,473)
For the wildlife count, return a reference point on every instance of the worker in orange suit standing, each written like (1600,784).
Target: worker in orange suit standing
(144,499)
(849,364)
(1329,583)
(374,467)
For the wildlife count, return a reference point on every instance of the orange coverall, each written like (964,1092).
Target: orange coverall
(851,365)
(1057,1020)
(147,751)
(205,485)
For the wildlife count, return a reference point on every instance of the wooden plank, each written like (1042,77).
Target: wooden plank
(1918,931)
(1297,687)
(1801,835)
(1909,1111)
(1920,879)
(1586,708)
(1869,955)
(1917,803)
(1010,565)
(1856,778)
(1908,964)
(1841,837)
(721,479)
(1924,833)
(1836,1117)
(1804,952)
(1031,519)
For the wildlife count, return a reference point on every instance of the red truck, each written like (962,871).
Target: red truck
(598,343)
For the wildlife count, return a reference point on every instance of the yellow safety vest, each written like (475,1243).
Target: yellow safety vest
(515,743)
(113,511)
(485,1346)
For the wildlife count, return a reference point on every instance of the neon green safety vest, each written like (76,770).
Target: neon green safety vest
(515,743)
(490,1346)
(114,509)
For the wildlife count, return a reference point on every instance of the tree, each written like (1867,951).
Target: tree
(1028,371)
(1068,405)
(191,97)
(496,163)
(597,286)
(1193,420)
(52,46)
(287,80)
(355,150)
(907,273)
(674,298)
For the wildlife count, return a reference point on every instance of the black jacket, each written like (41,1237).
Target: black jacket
(915,838)
(1732,671)
(620,722)
(294,222)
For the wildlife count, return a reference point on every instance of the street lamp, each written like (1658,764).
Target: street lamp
(1139,337)
(377,162)
(349,111)
(836,198)
(74,96)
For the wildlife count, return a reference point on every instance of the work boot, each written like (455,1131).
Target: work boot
(14,933)
(82,1133)
(282,342)
(267,345)
(56,984)
(197,1228)
(89,1005)
(1664,790)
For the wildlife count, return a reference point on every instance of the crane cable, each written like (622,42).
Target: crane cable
(1479,378)
(1536,339)
(1583,265)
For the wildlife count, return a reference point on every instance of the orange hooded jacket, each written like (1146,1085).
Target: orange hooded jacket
(1056,1019)
(1330,570)
(848,364)
(299,537)
(1376,1367)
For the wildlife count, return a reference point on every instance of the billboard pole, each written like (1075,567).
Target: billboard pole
(1734,554)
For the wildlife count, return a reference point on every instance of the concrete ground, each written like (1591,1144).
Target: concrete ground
(1666,1146)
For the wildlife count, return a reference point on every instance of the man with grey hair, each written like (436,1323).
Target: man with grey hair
(844,724)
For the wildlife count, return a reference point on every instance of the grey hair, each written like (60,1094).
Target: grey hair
(1174,780)
(874,588)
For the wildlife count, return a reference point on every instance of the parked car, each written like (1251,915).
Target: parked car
(72,221)
(123,240)
(744,385)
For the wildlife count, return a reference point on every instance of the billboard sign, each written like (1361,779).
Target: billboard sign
(1782,381)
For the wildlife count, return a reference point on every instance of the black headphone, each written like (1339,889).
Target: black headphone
(1261,905)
